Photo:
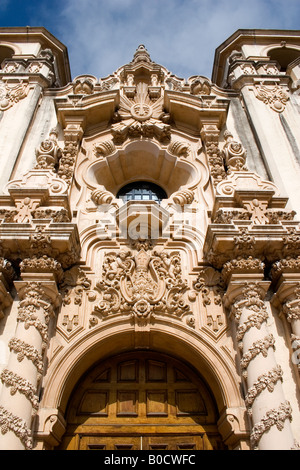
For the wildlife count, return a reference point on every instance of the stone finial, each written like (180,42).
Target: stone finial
(141,54)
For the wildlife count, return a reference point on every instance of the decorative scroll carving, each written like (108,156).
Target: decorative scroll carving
(142,285)
(210,135)
(103,149)
(234,154)
(11,93)
(272,95)
(274,417)
(73,134)
(200,86)
(48,153)
(141,117)
(183,197)
(74,284)
(101,196)
(83,86)
(180,149)
(241,180)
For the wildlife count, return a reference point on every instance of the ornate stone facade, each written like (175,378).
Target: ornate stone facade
(206,278)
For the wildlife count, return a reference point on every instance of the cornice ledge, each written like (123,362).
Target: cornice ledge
(57,240)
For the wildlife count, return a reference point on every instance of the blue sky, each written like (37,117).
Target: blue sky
(182,35)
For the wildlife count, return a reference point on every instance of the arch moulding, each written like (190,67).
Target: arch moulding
(71,364)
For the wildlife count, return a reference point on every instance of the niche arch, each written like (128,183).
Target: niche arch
(144,160)
(282,54)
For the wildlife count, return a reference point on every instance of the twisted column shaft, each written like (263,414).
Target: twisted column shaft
(19,399)
(265,401)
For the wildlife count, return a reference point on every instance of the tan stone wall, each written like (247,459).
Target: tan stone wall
(212,278)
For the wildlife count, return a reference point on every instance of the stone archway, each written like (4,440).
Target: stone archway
(142,400)
(196,353)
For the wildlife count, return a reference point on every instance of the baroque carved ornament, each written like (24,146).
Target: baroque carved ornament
(272,95)
(141,116)
(12,93)
(142,284)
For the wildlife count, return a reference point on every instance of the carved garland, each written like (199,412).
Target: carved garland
(10,422)
(258,347)
(264,381)
(23,350)
(34,302)
(67,161)
(272,418)
(21,385)
(251,298)
(27,310)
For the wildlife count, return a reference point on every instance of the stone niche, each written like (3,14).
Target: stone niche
(142,160)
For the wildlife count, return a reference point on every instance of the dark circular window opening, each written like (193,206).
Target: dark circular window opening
(142,191)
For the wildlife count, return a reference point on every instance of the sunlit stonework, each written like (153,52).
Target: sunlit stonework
(150,249)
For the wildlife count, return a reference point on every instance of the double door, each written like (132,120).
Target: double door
(142,401)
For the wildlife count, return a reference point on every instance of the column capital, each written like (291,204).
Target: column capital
(246,288)
(39,286)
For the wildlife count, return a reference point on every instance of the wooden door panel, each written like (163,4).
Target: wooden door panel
(169,442)
(140,399)
(155,443)
(109,443)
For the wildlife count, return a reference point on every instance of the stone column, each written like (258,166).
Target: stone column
(19,400)
(287,299)
(269,411)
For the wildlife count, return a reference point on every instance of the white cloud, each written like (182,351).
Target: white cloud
(179,34)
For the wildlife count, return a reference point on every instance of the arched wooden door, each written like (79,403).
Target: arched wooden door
(141,401)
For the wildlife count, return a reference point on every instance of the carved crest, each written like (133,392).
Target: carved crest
(142,285)
(141,116)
